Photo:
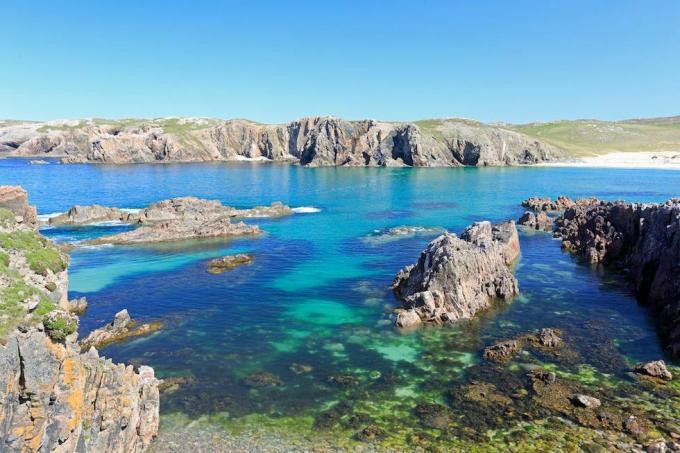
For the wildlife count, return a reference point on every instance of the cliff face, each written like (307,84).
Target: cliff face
(52,397)
(642,238)
(316,141)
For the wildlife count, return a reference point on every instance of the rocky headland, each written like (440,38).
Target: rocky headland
(314,141)
(52,396)
(643,240)
(456,277)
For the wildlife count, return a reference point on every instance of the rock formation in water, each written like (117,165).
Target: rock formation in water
(122,327)
(455,278)
(315,141)
(53,397)
(644,239)
(174,209)
(539,221)
(176,219)
(229,262)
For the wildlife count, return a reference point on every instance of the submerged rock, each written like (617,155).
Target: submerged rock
(434,415)
(371,433)
(455,278)
(229,262)
(262,379)
(503,350)
(120,328)
(400,232)
(656,369)
(644,239)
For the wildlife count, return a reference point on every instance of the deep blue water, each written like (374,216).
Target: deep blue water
(318,292)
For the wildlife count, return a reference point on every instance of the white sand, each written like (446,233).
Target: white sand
(665,160)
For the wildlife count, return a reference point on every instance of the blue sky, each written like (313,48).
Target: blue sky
(516,61)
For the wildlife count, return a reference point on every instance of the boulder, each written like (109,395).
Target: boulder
(656,369)
(585,401)
(539,221)
(15,199)
(455,278)
(84,215)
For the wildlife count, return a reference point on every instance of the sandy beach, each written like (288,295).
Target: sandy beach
(664,160)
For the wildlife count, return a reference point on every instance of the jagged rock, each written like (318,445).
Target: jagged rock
(77,306)
(229,262)
(655,369)
(642,238)
(455,278)
(540,204)
(83,215)
(548,337)
(53,397)
(314,141)
(539,221)
(588,402)
(15,199)
(120,328)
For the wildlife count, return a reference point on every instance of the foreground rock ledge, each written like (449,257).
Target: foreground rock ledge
(455,278)
(643,240)
(53,398)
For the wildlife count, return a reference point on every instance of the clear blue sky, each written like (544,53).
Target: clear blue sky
(515,61)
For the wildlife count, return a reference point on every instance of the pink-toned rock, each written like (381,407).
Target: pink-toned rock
(15,199)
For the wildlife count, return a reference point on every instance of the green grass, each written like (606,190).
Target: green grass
(12,298)
(591,137)
(40,254)
(6,218)
(60,325)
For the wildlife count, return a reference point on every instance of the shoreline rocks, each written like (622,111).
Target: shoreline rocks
(229,262)
(641,239)
(455,278)
(122,327)
(53,396)
(15,199)
(504,350)
(656,369)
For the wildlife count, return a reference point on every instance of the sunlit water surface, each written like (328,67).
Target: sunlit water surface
(317,294)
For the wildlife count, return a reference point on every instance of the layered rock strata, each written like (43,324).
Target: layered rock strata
(315,141)
(456,277)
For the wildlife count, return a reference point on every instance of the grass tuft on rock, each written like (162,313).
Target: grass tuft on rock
(40,254)
(59,325)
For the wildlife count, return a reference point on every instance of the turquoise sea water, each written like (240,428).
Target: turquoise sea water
(318,293)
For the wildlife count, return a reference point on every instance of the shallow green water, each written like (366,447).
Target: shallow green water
(313,310)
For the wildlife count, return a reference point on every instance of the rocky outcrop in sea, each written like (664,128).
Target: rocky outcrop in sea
(641,239)
(314,141)
(456,277)
(53,397)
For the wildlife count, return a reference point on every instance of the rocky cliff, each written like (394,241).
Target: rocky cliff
(52,396)
(641,239)
(455,278)
(316,141)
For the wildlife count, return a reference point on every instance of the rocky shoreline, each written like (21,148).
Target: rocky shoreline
(52,396)
(313,141)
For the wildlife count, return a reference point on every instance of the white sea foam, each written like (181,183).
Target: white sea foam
(251,159)
(130,210)
(47,217)
(306,210)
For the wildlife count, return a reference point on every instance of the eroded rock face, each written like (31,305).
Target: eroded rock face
(15,199)
(53,397)
(455,278)
(642,238)
(314,141)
